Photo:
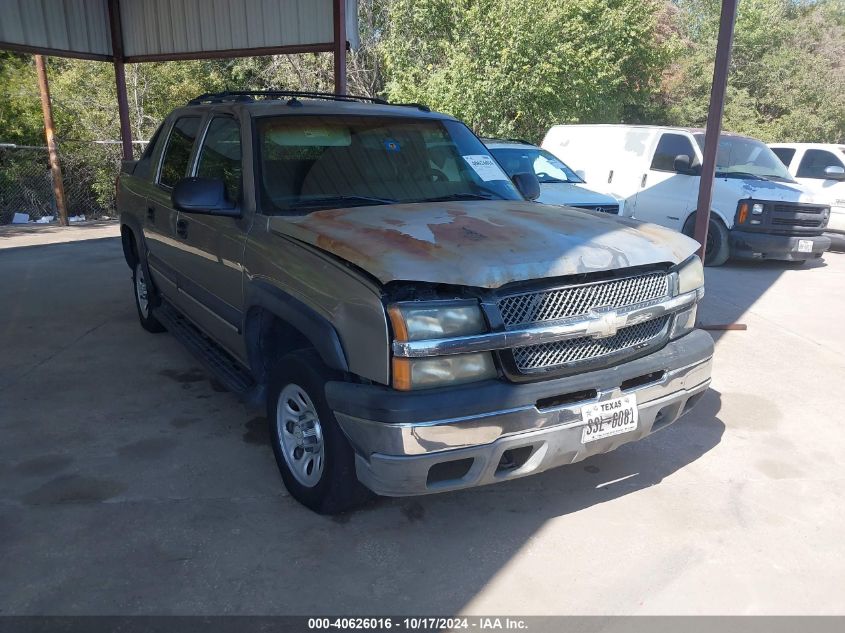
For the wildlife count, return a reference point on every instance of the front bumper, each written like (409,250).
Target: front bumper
(751,245)
(837,240)
(417,443)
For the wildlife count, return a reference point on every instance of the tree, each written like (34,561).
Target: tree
(20,110)
(515,67)
(786,80)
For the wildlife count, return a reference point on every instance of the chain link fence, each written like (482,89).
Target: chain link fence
(89,170)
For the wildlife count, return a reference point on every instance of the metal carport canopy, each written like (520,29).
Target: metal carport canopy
(158,30)
(123,31)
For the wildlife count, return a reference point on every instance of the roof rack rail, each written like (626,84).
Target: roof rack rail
(507,140)
(418,106)
(291,95)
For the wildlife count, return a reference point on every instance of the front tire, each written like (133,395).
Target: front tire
(718,247)
(144,299)
(315,460)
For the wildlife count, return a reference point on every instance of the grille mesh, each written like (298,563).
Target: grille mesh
(796,208)
(796,222)
(549,355)
(551,305)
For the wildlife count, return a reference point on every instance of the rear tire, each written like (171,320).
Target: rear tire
(145,299)
(718,247)
(315,460)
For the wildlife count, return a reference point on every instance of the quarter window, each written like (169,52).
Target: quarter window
(220,155)
(815,161)
(785,154)
(175,164)
(670,146)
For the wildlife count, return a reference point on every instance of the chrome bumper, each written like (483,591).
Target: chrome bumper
(396,459)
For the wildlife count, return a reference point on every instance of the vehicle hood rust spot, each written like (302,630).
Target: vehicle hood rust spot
(483,244)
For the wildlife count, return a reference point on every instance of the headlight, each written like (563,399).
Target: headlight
(417,322)
(437,371)
(424,321)
(684,322)
(690,275)
(757,209)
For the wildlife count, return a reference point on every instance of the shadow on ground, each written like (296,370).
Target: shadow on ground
(129,483)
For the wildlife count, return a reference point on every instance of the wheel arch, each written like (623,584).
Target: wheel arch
(277,323)
(719,214)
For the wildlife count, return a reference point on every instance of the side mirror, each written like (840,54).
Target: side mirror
(834,172)
(203,195)
(527,184)
(683,165)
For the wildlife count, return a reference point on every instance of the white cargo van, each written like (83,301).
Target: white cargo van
(758,210)
(820,167)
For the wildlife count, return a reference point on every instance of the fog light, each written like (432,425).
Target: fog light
(755,222)
(757,209)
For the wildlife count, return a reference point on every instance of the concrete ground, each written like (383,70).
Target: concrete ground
(131,484)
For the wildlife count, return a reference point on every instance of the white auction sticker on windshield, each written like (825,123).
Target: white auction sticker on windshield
(485,167)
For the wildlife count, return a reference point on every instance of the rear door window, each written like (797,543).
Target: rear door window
(144,167)
(815,161)
(174,166)
(670,146)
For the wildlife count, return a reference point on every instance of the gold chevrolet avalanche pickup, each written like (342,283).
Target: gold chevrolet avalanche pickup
(413,322)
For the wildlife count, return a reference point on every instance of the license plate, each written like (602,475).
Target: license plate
(610,417)
(805,246)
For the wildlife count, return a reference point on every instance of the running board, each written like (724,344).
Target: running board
(229,372)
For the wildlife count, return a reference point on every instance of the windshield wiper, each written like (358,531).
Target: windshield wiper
(345,201)
(459,196)
(740,174)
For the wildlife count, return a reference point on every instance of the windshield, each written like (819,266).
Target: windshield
(545,165)
(741,157)
(311,162)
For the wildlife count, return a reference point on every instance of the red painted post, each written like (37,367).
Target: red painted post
(340,47)
(49,133)
(120,78)
(714,121)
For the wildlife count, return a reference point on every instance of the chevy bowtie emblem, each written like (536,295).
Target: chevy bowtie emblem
(606,324)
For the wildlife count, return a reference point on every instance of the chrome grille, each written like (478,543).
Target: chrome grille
(550,355)
(560,303)
(602,208)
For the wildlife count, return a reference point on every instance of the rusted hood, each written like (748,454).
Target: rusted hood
(483,244)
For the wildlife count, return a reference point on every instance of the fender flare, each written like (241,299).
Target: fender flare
(132,223)
(307,321)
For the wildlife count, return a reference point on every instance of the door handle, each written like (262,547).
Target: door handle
(151,214)
(642,182)
(182,229)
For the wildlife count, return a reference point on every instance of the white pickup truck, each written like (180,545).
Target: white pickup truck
(820,167)
(758,210)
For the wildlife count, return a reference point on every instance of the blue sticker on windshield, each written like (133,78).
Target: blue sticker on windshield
(391,146)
